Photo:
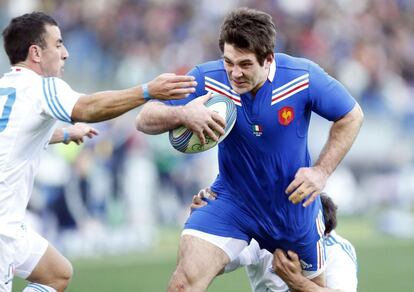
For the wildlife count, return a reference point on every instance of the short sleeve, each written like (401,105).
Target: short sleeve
(329,98)
(59,98)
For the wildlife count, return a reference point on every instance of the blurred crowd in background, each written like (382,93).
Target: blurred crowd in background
(112,193)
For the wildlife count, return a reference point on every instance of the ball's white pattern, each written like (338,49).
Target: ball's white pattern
(185,141)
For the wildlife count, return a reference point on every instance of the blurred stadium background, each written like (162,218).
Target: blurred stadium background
(115,205)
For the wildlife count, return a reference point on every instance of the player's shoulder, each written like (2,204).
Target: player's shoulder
(211,67)
(336,242)
(335,238)
(54,81)
(287,62)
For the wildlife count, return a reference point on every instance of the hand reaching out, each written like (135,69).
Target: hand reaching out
(170,86)
(79,131)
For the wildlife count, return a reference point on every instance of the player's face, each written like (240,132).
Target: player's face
(244,71)
(54,54)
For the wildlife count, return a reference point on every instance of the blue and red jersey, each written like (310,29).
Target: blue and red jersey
(268,144)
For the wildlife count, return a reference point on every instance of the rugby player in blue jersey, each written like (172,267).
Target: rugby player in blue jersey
(268,188)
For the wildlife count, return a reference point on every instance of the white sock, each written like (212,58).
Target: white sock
(35,287)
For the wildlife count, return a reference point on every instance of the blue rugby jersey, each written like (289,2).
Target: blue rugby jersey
(268,144)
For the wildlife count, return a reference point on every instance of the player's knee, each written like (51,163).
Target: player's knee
(62,279)
(180,281)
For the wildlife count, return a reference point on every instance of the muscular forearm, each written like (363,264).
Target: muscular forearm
(155,118)
(341,136)
(106,105)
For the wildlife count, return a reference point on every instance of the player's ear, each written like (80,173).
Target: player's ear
(269,60)
(34,53)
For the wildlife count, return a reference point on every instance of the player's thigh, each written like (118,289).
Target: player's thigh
(199,258)
(6,263)
(29,251)
(52,267)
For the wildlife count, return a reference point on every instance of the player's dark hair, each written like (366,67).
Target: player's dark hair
(24,31)
(249,29)
(329,213)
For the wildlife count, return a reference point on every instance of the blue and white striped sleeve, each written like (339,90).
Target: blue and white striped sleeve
(59,98)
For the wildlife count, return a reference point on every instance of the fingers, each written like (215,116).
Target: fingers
(219,123)
(300,193)
(308,183)
(293,186)
(206,193)
(293,256)
(280,255)
(171,86)
(211,195)
(205,97)
(180,93)
(279,258)
(209,133)
(182,78)
(93,131)
(197,202)
(201,137)
(311,199)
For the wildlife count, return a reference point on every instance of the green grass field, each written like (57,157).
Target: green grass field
(385,264)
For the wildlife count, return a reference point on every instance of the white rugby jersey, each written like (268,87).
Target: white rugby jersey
(30,105)
(341,268)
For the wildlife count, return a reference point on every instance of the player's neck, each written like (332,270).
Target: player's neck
(29,66)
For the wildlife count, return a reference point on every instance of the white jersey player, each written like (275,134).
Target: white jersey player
(32,100)
(341,268)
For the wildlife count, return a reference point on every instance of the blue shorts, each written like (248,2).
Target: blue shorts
(224,218)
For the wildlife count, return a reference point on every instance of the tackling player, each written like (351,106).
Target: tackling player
(32,99)
(265,169)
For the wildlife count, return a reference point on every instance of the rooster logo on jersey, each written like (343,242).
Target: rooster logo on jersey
(286,115)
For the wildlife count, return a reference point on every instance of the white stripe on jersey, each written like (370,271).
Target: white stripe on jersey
(52,100)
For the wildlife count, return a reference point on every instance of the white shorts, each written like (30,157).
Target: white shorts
(231,246)
(19,256)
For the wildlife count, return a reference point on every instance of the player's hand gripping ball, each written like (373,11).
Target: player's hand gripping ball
(186,141)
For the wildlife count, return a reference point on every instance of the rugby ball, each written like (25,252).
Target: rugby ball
(186,141)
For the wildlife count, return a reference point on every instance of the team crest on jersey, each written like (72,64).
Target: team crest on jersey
(286,115)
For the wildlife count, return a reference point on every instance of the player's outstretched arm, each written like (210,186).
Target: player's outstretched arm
(105,105)
(287,267)
(310,181)
(75,133)
(156,118)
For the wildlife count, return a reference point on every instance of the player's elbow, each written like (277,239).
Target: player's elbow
(142,123)
(355,117)
(139,124)
(83,111)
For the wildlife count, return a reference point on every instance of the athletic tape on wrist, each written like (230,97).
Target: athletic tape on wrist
(147,96)
(66,138)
